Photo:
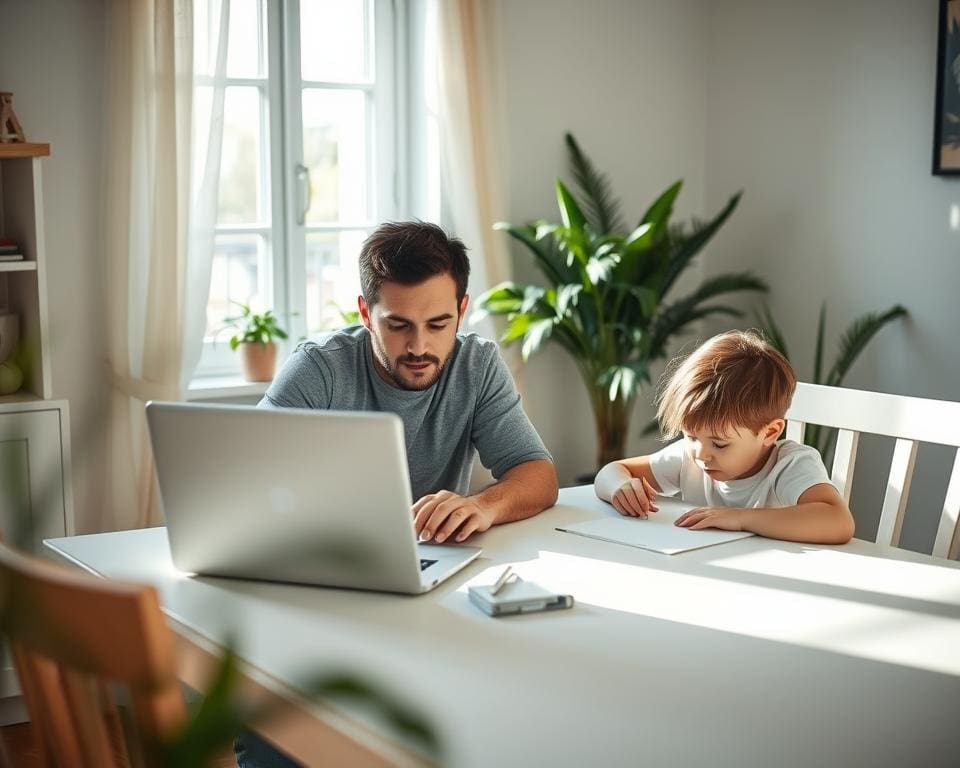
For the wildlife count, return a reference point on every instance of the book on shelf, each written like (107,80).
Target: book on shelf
(11,256)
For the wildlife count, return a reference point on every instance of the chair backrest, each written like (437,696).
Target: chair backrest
(911,420)
(74,637)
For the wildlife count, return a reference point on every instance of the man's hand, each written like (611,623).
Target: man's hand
(635,498)
(438,516)
(725,518)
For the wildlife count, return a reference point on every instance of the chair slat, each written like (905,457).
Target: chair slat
(898,489)
(795,430)
(83,698)
(947,543)
(59,725)
(844,460)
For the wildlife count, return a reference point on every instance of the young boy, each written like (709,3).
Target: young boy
(728,400)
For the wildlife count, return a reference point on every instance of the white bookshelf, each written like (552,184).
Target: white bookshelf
(35,469)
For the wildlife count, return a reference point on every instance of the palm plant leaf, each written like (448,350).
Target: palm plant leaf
(818,352)
(771,330)
(658,214)
(688,247)
(856,337)
(570,213)
(603,210)
(674,317)
(545,252)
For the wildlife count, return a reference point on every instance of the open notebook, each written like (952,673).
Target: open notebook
(657,533)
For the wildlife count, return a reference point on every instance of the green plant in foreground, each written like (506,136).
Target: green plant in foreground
(609,295)
(851,343)
(253,327)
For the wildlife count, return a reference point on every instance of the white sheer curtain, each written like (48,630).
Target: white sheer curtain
(470,145)
(165,128)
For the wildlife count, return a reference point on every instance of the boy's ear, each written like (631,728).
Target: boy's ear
(773,430)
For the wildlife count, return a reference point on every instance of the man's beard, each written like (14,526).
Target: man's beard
(393,368)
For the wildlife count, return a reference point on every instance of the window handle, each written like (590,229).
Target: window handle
(303,176)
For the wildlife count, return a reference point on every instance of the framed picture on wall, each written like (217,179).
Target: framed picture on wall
(946,131)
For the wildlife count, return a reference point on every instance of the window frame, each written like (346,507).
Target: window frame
(282,137)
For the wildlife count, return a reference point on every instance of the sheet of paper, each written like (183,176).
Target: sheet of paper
(657,533)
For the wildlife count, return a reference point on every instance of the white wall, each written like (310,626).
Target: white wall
(823,113)
(626,77)
(52,58)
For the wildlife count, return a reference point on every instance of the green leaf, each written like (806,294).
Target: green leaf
(502,299)
(620,382)
(770,329)
(856,337)
(532,296)
(685,250)
(603,209)
(599,270)
(535,337)
(659,213)
(640,239)
(545,252)
(517,328)
(570,213)
(567,297)
(818,354)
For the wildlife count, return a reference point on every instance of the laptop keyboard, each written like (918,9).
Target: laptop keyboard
(424,564)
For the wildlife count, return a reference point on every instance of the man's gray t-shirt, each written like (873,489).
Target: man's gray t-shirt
(472,408)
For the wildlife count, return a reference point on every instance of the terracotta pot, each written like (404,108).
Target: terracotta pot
(258,360)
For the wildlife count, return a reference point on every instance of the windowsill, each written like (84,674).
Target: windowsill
(214,387)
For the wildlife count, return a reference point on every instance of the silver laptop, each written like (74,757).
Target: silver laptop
(312,497)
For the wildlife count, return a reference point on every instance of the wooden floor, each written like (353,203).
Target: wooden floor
(22,750)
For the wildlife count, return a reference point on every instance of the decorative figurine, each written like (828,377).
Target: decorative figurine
(10,130)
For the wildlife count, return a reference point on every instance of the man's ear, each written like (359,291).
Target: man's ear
(364,312)
(463,309)
(773,430)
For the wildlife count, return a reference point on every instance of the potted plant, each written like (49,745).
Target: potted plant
(255,339)
(608,299)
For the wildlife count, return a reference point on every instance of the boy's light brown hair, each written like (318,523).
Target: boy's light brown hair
(735,379)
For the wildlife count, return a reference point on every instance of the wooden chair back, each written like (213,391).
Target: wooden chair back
(75,637)
(911,421)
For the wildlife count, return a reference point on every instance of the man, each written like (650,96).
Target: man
(453,392)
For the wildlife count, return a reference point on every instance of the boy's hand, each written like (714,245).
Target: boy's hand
(635,498)
(725,518)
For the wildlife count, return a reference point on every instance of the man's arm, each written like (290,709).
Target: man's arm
(820,516)
(521,492)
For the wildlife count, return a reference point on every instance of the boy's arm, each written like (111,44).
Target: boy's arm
(820,516)
(629,485)
(616,473)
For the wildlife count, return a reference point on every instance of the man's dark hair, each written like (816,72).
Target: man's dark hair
(409,252)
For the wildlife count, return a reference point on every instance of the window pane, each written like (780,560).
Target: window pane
(244,53)
(335,151)
(334,45)
(333,283)
(240,179)
(240,272)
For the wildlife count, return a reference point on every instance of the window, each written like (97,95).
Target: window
(317,97)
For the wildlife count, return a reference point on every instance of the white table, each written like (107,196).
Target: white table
(752,653)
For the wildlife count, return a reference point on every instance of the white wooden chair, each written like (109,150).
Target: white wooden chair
(911,420)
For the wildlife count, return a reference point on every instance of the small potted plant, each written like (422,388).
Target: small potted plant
(256,332)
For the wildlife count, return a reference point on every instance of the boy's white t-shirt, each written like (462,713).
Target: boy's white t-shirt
(790,470)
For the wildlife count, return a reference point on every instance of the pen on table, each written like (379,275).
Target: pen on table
(502,580)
